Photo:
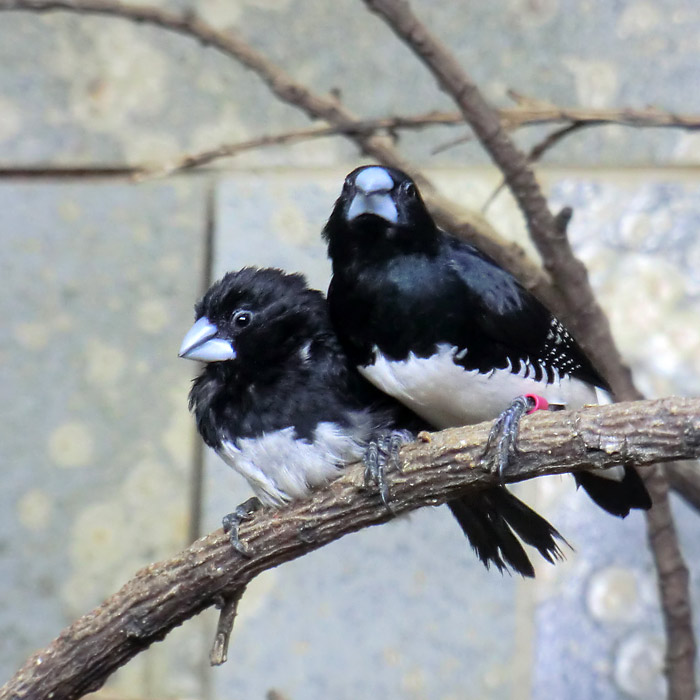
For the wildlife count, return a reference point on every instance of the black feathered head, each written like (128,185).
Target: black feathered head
(255,317)
(379,212)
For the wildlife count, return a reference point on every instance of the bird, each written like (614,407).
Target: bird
(437,324)
(279,401)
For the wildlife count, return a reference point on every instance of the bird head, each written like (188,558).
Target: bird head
(253,318)
(378,207)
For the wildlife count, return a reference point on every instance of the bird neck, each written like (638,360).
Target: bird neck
(353,248)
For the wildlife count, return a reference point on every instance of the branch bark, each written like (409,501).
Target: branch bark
(436,468)
(573,299)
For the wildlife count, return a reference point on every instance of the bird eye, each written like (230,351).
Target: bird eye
(408,188)
(242,318)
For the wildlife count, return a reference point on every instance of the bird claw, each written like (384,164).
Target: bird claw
(382,456)
(232,522)
(503,437)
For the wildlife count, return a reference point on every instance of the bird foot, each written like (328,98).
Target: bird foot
(503,438)
(232,522)
(382,456)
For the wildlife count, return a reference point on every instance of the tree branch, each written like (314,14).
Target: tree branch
(588,322)
(579,309)
(537,151)
(684,479)
(470,225)
(572,119)
(533,112)
(482,118)
(435,469)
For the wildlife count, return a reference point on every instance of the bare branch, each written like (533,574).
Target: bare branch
(227,616)
(482,118)
(532,112)
(462,222)
(438,468)
(684,479)
(673,580)
(470,225)
(568,274)
(587,319)
(537,151)
(572,120)
(579,306)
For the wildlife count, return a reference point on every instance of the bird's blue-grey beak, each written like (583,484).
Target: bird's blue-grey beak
(373,195)
(200,343)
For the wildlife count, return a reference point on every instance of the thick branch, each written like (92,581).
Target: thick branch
(439,467)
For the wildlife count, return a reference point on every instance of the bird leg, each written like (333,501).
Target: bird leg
(232,522)
(502,441)
(382,456)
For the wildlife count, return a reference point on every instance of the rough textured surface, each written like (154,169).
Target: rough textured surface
(435,468)
(282,213)
(99,282)
(70,93)
(96,441)
(287,614)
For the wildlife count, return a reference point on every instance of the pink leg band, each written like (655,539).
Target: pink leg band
(541,404)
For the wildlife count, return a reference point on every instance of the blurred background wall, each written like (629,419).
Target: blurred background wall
(102,471)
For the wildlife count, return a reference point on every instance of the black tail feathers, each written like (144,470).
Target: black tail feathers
(492,518)
(617,497)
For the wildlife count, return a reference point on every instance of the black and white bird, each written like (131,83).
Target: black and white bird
(280,402)
(434,322)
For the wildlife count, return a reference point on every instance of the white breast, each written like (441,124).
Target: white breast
(447,395)
(281,468)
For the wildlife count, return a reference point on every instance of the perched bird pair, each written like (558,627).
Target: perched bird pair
(441,336)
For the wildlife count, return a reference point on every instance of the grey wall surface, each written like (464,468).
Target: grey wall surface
(99,277)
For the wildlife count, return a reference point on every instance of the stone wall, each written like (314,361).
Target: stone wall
(100,459)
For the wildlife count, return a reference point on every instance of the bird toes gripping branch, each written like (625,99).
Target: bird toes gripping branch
(232,522)
(503,437)
(382,456)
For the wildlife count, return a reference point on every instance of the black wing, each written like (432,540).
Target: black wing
(510,324)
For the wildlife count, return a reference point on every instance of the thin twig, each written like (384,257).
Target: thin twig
(435,469)
(536,113)
(512,119)
(227,616)
(537,151)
